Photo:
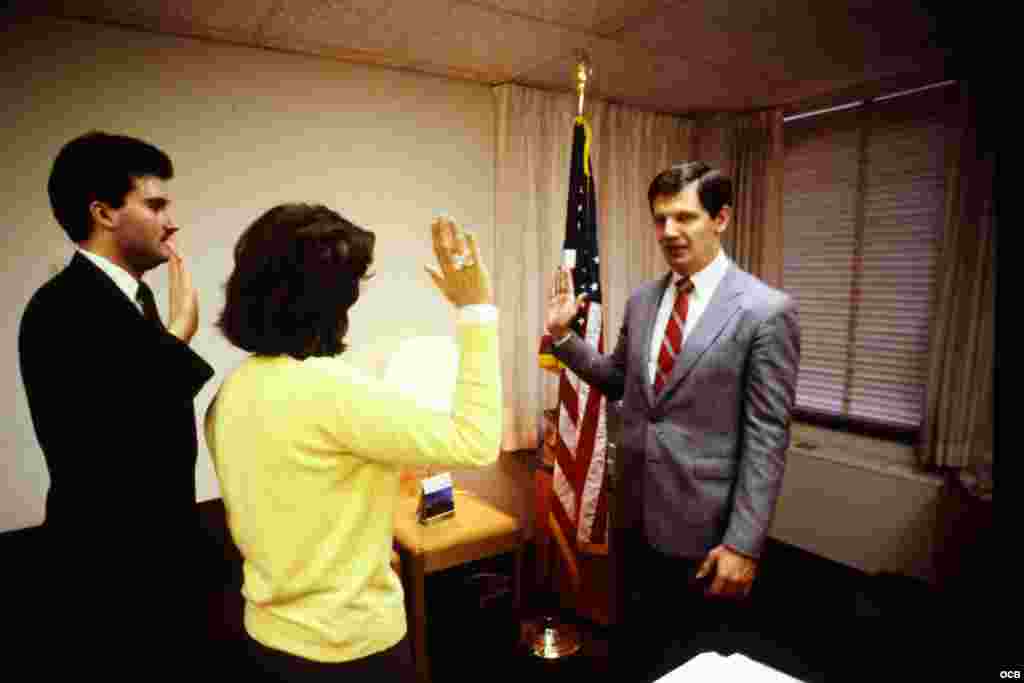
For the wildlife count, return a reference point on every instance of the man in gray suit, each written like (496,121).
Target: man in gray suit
(705,366)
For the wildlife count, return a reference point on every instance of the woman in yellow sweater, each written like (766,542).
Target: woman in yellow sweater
(308,449)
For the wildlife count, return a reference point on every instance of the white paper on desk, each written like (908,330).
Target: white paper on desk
(748,670)
(711,666)
(704,667)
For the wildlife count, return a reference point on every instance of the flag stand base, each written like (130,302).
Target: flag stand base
(548,638)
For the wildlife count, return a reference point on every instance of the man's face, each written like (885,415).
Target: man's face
(689,237)
(143,224)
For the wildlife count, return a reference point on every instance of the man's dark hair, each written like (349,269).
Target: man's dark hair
(99,166)
(297,273)
(714,188)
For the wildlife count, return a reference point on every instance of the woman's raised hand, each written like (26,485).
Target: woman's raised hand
(462,277)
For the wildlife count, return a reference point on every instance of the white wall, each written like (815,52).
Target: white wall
(246,129)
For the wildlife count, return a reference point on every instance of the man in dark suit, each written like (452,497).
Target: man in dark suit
(110,389)
(705,366)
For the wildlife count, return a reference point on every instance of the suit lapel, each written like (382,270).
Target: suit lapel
(724,304)
(88,272)
(650,310)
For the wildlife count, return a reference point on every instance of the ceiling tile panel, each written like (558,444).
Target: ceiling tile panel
(629,74)
(668,55)
(595,16)
(234,19)
(791,40)
(498,46)
(354,24)
(580,14)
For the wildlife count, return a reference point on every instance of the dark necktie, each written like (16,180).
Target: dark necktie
(672,344)
(144,296)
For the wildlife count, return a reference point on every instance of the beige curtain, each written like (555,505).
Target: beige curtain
(534,143)
(749,148)
(958,424)
(754,240)
(712,141)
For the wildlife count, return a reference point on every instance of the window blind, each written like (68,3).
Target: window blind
(863,212)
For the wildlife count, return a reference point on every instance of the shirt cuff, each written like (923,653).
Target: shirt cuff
(740,552)
(475,314)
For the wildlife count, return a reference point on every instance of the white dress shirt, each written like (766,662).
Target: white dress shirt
(705,282)
(124,280)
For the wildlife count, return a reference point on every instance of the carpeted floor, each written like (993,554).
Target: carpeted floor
(809,616)
(813,619)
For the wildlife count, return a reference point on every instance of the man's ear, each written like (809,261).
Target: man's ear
(724,218)
(101,213)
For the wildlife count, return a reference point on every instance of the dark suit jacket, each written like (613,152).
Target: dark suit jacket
(111,398)
(702,462)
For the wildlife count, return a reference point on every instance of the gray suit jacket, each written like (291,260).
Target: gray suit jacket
(702,462)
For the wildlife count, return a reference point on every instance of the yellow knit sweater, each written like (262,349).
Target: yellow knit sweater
(308,455)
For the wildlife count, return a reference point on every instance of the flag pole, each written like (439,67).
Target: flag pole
(549,637)
(583,71)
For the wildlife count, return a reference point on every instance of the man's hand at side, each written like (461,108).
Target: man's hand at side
(733,574)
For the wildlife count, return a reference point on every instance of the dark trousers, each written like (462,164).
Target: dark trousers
(666,618)
(270,665)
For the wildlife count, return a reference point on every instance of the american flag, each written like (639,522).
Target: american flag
(581,511)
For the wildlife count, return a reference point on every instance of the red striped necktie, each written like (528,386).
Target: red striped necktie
(672,344)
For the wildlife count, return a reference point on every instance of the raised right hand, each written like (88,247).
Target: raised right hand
(183,296)
(562,307)
(463,278)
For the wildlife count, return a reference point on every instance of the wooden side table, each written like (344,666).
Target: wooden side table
(478,530)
